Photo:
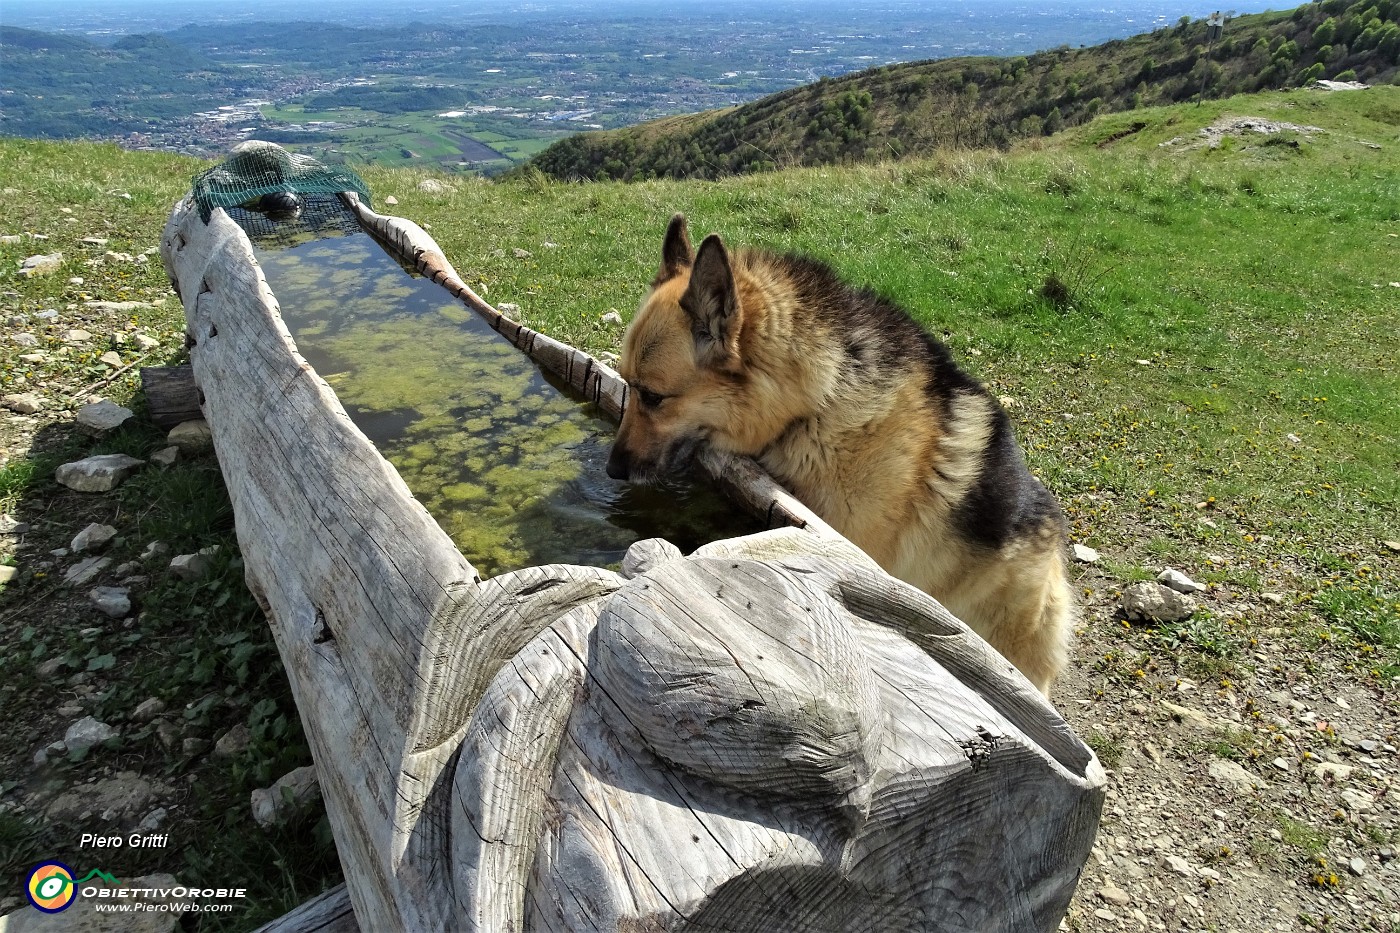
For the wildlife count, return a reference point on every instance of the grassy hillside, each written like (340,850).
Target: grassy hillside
(988,102)
(1196,343)
(1188,332)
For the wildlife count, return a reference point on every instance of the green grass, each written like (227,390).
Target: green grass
(1205,264)
(1254,280)
(1223,340)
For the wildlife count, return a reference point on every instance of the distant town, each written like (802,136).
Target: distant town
(486,91)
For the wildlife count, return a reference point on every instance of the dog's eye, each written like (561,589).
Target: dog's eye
(649,398)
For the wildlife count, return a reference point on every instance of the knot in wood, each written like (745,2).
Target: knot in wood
(744,673)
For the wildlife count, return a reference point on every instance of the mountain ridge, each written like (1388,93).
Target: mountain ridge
(984,102)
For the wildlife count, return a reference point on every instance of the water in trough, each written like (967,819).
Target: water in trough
(507,461)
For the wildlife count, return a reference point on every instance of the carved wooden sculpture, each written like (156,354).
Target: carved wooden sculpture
(770,734)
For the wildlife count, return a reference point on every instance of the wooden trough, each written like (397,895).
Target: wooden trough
(767,735)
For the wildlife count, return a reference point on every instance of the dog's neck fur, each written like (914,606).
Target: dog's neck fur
(818,451)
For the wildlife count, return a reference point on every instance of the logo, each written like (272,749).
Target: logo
(51,887)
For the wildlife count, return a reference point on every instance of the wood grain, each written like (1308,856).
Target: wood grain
(770,734)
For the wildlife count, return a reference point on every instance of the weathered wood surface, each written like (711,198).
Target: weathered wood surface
(328,912)
(769,735)
(171,395)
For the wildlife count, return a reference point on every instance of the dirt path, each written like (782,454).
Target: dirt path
(1258,791)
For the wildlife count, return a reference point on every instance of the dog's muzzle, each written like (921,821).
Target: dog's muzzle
(676,458)
(619,464)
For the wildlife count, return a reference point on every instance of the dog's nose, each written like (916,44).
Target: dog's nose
(617,463)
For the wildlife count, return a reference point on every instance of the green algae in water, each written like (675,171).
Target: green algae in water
(510,464)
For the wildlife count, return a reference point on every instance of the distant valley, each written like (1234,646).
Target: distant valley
(476,89)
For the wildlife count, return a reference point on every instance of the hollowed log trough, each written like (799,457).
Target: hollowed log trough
(769,734)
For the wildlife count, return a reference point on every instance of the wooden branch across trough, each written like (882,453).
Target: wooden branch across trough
(768,735)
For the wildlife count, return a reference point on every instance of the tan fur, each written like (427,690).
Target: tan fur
(742,362)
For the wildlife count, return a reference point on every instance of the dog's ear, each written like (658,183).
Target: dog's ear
(712,302)
(676,254)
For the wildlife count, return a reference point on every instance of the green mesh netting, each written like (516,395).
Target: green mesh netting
(256,169)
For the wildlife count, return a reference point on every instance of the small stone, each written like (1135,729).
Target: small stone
(233,743)
(194,746)
(76,336)
(24,340)
(1179,865)
(1358,800)
(148,709)
(1392,546)
(508,307)
(41,265)
(145,343)
(167,734)
(274,805)
(1369,746)
(41,758)
(155,549)
(113,601)
(1334,772)
(34,357)
(93,241)
(48,314)
(612,317)
(1115,896)
(1233,776)
(25,404)
(1283,764)
(391,200)
(85,733)
(193,566)
(93,538)
(433,186)
(1357,866)
(1179,581)
(49,668)
(1084,554)
(1153,602)
(153,821)
(520,253)
(101,418)
(76,280)
(85,571)
(1106,915)
(192,437)
(101,473)
(8,573)
(1195,718)
(11,526)
(166,456)
(1273,599)
(117,307)
(111,358)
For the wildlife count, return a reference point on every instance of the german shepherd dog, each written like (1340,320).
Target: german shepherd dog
(847,402)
